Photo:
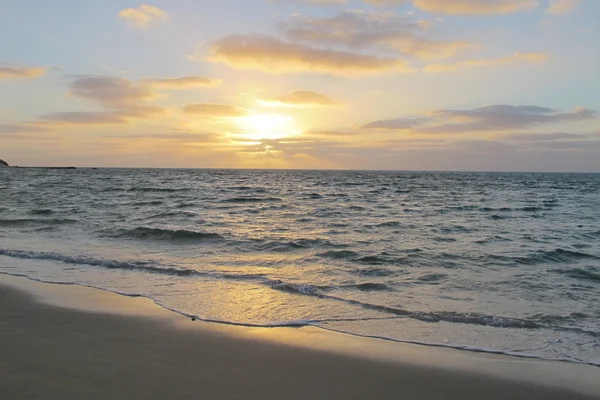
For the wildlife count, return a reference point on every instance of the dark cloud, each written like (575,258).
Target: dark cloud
(502,118)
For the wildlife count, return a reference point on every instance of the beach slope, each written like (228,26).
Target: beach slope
(52,351)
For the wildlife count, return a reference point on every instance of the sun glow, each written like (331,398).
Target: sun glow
(267,126)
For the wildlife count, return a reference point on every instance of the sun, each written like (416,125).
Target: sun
(267,126)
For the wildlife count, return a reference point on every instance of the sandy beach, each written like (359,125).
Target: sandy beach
(69,342)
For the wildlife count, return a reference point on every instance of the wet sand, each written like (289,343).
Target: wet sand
(69,342)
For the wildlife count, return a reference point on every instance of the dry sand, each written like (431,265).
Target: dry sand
(67,342)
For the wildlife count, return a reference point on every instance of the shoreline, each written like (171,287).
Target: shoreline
(304,355)
(288,325)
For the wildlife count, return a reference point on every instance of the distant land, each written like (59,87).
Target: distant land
(5,164)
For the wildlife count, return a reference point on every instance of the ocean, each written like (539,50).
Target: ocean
(495,262)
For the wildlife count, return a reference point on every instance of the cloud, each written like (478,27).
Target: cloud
(21,128)
(490,62)
(493,118)
(123,100)
(144,15)
(123,116)
(474,7)
(8,71)
(451,7)
(215,110)
(502,118)
(110,91)
(537,137)
(300,98)
(562,6)
(396,124)
(186,82)
(276,56)
(205,137)
(329,133)
(358,29)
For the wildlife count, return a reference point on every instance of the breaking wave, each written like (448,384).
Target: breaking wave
(166,234)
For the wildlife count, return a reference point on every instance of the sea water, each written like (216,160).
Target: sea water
(499,262)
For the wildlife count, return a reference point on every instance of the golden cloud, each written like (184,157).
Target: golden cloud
(186,82)
(276,56)
(20,72)
(141,17)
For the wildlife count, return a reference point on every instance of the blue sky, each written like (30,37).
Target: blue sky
(392,84)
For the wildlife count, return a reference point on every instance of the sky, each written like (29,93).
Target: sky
(474,85)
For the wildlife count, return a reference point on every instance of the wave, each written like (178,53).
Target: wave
(471,318)
(41,211)
(553,256)
(339,254)
(429,278)
(372,259)
(314,196)
(389,224)
(299,288)
(250,200)
(173,214)
(33,221)
(371,287)
(296,244)
(156,190)
(491,209)
(248,188)
(322,292)
(166,234)
(148,203)
(374,272)
(144,266)
(586,274)
(531,209)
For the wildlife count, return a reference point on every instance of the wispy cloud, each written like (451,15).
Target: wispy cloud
(21,128)
(121,116)
(142,16)
(10,71)
(215,110)
(493,118)
(451,7)
(562,6)
(182,83)
(300,98)
(396,124)
(488,62)
(537,137)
